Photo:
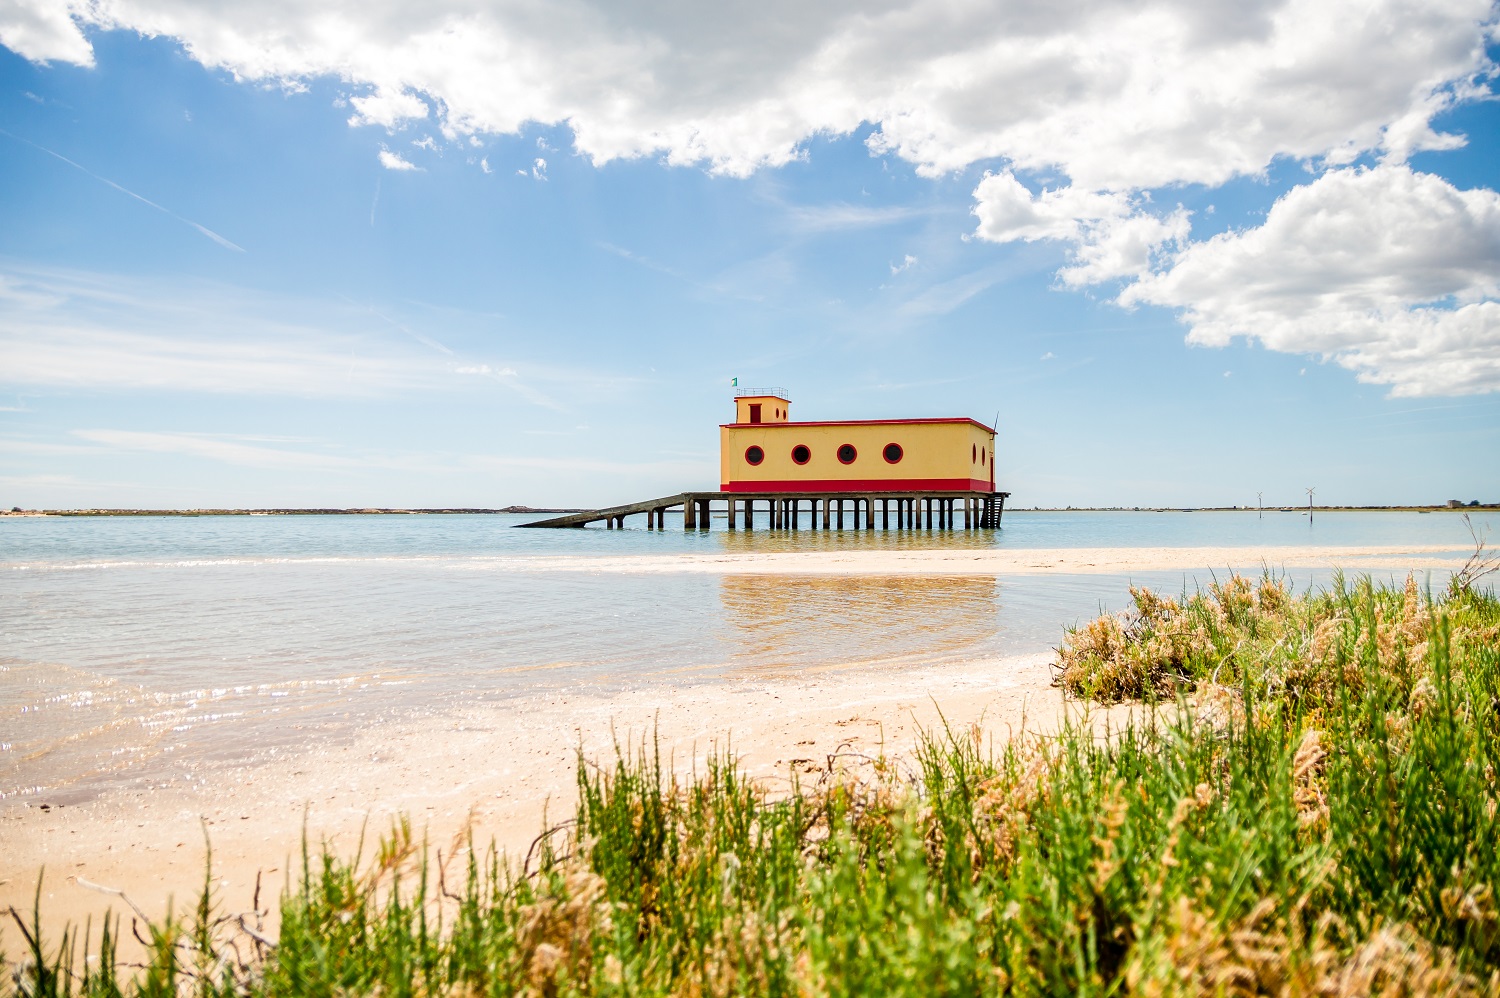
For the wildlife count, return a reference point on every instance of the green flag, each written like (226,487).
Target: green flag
(734,382)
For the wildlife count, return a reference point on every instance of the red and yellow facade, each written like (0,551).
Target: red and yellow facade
(764,451)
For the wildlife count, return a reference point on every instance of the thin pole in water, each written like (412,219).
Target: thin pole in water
(1260,511)
(1309,504)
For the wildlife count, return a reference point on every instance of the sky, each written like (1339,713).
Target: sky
(477,253)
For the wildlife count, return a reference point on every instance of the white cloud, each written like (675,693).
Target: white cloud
(1112,98)
(43,32)
(1389,272)
(907,262)
(388,108)
(393,161)
(1115,95)
(1113,235)
(484,164)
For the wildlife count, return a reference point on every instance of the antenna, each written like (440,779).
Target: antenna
(1309,504)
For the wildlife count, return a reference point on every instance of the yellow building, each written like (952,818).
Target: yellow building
(764,451)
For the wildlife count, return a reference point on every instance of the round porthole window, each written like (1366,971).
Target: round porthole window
(892,453)
(754,455)
(801,454)
(847,453)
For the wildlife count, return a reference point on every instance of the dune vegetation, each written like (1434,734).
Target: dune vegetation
(1304,803)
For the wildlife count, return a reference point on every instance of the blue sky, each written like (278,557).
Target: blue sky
(357,266)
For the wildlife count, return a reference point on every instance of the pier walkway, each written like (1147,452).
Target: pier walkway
(833,510)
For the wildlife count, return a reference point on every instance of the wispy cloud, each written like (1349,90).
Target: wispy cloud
(940,299)
(73,329)
(215,448)
(63,328)
(842,215)
(205,230)
(644,261)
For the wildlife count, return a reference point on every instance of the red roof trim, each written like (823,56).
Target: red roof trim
(866,422)
(862,485)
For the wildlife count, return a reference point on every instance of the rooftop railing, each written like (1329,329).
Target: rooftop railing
(780,393)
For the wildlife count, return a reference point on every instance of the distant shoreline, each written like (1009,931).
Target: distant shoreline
(277,512)
(548,509)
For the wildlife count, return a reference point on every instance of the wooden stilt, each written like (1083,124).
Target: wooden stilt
(885,514)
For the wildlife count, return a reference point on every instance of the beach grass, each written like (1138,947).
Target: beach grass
(1304,803)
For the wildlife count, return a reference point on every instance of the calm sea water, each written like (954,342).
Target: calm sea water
(132,647)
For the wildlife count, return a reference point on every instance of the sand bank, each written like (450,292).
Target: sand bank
(996,561)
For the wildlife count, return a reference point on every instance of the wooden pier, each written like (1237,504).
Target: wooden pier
(825,510)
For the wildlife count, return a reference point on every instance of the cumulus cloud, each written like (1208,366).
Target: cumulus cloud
(1392,273)
(387,108)
(43,32)
(1117,95)
(394,161)
(1112,236)
(1114,98)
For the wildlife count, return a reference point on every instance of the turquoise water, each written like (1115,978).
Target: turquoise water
(128,645)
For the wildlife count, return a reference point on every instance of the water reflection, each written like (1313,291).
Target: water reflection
(807,623)
(762,541)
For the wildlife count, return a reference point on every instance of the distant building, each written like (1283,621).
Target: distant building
(764,451)
(1455,503)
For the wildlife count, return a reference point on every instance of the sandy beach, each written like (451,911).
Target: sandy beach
(501,768)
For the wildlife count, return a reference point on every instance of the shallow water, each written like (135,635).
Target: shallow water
(131,648)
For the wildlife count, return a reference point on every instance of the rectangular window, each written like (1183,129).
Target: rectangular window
(755,412)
